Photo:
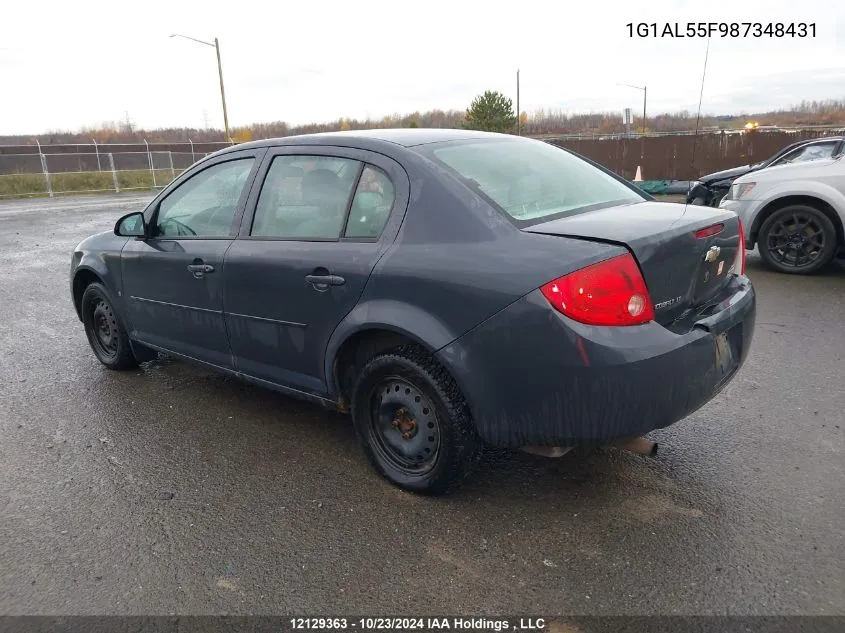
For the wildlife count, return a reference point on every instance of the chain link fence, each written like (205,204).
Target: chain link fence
(42,170)
(50,170)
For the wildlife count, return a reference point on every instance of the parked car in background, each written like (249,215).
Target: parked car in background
(710,189)
(794,213)
(445,287)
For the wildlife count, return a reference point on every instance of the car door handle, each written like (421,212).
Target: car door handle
(325,280)
(199,270)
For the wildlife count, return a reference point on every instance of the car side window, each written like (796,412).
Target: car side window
(205,204)
(305,197)
(808,152)
(371,205)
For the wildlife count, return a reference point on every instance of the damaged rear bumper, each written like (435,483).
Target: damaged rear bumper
(531,376)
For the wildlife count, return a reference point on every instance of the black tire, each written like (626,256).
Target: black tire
(413,422)
(798,239)
(104,329)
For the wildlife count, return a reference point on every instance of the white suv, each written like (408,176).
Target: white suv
(793,213)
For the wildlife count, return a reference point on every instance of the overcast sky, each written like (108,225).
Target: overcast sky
(64,65)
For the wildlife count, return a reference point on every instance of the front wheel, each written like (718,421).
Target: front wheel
(798,239)
(106,333)
(413,422)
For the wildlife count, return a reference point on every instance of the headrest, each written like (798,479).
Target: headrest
(322,178)
(368,200)
(289,171)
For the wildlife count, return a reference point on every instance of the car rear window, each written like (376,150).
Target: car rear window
(531,180)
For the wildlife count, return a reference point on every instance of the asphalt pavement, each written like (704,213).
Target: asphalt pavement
(173,490)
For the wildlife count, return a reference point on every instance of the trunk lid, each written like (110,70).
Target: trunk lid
(682,271)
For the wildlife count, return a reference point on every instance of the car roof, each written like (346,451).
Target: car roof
(371,139)
(812,141)
(822,139)
(806,141)
(802,143)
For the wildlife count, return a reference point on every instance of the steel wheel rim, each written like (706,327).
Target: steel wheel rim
(404,426)
(796,240)
(103,329)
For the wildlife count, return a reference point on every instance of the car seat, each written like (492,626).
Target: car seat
(327,195)
(275,201)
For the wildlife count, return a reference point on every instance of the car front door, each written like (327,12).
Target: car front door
(309,240)
(172,279)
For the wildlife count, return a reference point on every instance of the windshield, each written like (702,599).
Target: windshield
(530,180)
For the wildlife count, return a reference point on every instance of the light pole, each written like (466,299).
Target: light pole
(216,47)
(645,93)
(518,121)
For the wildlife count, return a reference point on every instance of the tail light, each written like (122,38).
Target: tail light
(709,231)
(612,292)
(738,267)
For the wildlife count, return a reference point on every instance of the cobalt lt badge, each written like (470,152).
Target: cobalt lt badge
(712,254)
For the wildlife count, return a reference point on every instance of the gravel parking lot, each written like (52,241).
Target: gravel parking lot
(173,490)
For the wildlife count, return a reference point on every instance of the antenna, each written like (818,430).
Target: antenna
(700,98)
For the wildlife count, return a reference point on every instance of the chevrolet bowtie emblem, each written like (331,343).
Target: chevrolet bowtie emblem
(712,254)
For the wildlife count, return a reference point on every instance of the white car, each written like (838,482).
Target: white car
(793,213)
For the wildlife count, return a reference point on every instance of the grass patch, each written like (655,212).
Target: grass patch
(21,185)
(143,178)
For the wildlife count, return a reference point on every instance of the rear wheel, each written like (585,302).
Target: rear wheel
(106,333)
(798,239)
(413,422)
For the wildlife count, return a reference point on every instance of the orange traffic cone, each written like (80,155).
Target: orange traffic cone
(639,176)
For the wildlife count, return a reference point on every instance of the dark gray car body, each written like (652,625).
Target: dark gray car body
(453,274)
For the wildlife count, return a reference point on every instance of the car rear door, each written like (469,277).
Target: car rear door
(313,231)
(172,279)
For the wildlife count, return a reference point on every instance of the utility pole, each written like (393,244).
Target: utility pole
(645,94)
(518,121)
(216,47)
(222,91)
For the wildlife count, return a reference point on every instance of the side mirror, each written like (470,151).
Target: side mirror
(131,225)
